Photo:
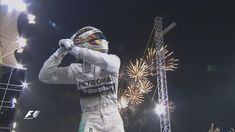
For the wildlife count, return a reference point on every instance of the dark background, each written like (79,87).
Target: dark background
(202,87)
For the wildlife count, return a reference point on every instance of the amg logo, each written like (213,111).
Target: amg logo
(96,82)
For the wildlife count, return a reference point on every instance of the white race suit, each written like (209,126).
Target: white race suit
(97,83)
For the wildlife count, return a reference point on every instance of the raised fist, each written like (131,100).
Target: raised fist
(66,44)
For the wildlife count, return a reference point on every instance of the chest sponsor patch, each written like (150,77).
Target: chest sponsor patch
(97,87)
(93,83)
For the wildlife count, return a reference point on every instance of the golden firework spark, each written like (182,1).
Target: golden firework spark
(150,56)
(137,70)
(123,102)
(170,62)
(137,75)
(145,86)
(172,106)
(150,60)
(134,95)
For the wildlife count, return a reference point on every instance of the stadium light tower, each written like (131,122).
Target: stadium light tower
(163,102)
(11,72)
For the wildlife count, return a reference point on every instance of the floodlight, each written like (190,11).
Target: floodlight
(19,66)
(160,109)
(14,101)
(22,42)
(18,5)
(14,125)
(31,19)
(24,84)
(20,50)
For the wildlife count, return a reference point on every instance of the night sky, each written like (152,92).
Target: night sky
(203,86)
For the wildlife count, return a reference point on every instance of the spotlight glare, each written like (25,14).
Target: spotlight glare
(160,109)
(14,125)
(19,66)
(20,50)
(24,84)
(123,102)
(13,102)
(22,42)
(18,5)
(31,19)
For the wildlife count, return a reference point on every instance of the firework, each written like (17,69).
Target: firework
(145,86)
(138,70)
(137,74)
(134,95)
(170,62)
(172,106)
(150,56)
(123,102)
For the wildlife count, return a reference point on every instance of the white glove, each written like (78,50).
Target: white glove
(60,53)
(67,44)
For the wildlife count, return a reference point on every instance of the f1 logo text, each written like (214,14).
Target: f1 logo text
(32,114)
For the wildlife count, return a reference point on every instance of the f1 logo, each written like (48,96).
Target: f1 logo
(32,114)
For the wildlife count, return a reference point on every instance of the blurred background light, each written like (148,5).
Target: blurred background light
(18,5)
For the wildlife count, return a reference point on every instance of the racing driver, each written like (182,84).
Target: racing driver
(96,78)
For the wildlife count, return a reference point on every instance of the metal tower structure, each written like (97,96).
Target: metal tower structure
(161,73)
(11,86)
